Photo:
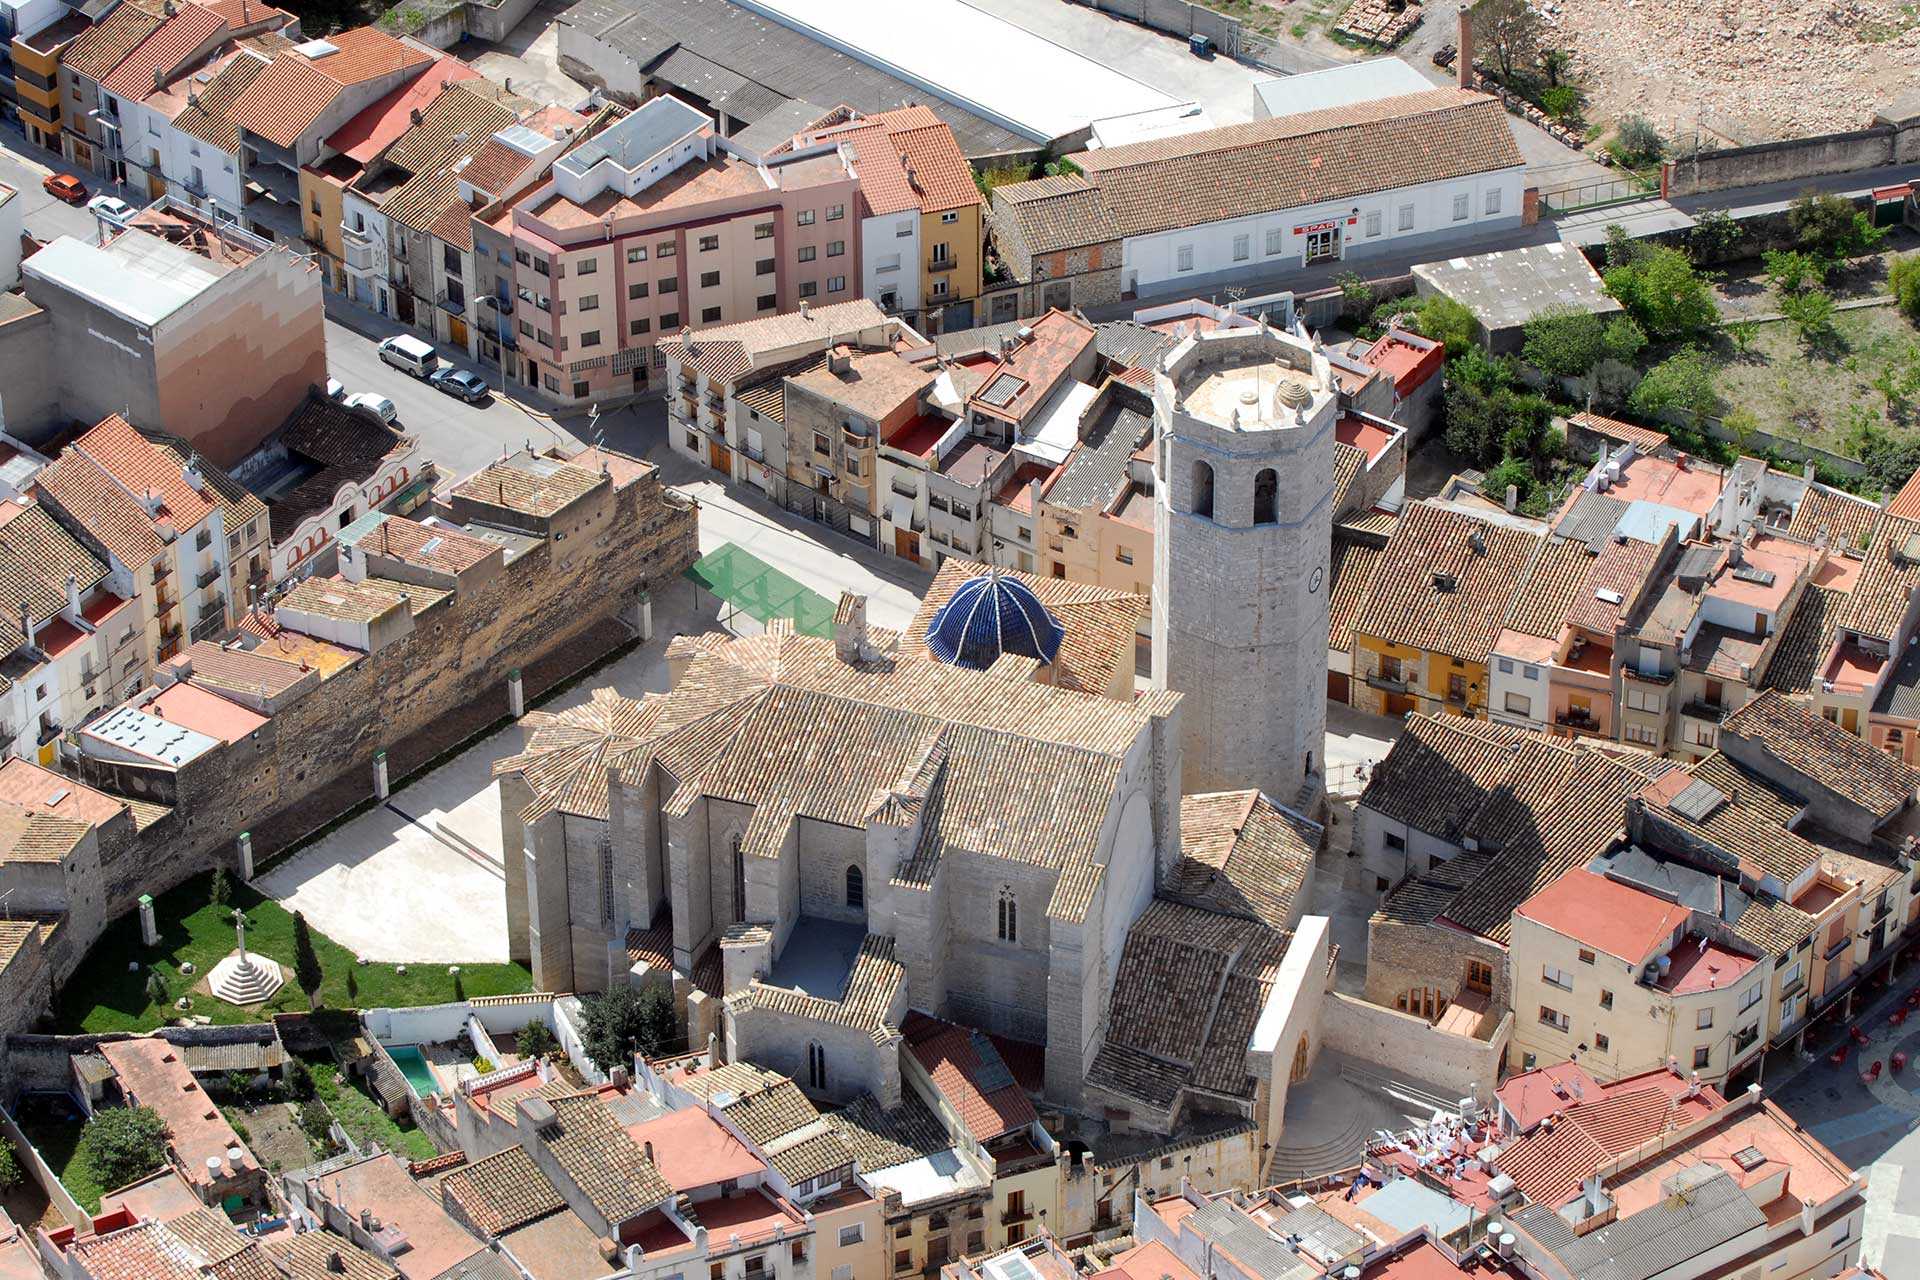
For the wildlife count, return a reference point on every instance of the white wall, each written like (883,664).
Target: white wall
(11,213)
(1153,261)
(1534,688)
(880,244)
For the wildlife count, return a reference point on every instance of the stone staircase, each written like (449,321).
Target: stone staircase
(1341,1151)
(249,979)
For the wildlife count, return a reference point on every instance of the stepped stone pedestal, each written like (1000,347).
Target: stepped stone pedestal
(242,978)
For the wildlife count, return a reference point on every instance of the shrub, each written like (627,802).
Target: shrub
(1663,293)
(1509,471)
(1789,271)
(1564,343)
(1829,226)
(1356,297)
(1636,142)
(299,1078)
(1484,425)
(123,1144)
(220,890)
(1681,386)
(1444,320)
(1613,382)
(10,1172)
(317,1123)
(536,1040)
(1715,232)
(1903,281)
(1561,101)
(306,961)
(1622,339)
(1811,314)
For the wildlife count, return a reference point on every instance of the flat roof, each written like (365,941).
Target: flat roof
(1604,914)
(134,730)
(1340,86)
(141,278)
(194,708)
(1505,290)
(1002,72)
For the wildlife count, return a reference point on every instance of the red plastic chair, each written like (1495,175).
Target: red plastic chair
(1838,1056)
(1873,1072)
(1898,1016)
(1899,1062)
(1859,1036)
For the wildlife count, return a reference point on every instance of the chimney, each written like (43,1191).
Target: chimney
(850,627)
(839,359)
(1513,498)
(26,624)
(336,1263)
(414,115)
(159,78)
(1478,541)
(191,474)
(649,1149)
(73,595)
(1463,63)
(804,309)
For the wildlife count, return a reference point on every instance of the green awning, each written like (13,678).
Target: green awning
(757,589)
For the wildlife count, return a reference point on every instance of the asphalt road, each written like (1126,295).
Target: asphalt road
(22,167)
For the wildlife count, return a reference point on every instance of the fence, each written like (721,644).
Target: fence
(1597,195)
(42,1175)
(1179,18)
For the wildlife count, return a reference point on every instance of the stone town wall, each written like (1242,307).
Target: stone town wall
(458,653)
(1403,957)
(1791,158)
(1401,1044)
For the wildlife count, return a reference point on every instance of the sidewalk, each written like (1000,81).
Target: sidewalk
(375,327)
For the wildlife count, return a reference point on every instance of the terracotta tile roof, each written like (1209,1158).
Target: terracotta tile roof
(1046,215)
(1101,625)
(536,490)
(865,1005)
(209,115)
(1825,753)
(1299,160)
(725,351)
(153,1074)
(1549,1164)
(1622,568)
(346,445)
(238,507)
(1804,641)
(344,600)
(96,477)
(1889,573)
(1848,520)
(569,752)
(1904,504)
(1445,582)
(283,101)
(501,1192)
(99,50)
(1645,439)
(881,1139)
(494,166)
(366,53)
(163,51)
(310,1255)
(37,555)
(147,1251)
(441,547)
(239,14)
(596,1154)
(452,130)
(1355,560)
(1555,584)
(1440,771)
(966,1069)
(907,159)
(1242,855)
(37,837)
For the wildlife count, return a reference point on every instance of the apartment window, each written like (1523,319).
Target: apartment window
(1405,220)
(709,243)
(670,320)
(1531,673)
(1792,976)
(638,289)
(1123,555)
(1009,915)
(636,253)
(836,247)
(821,446)
(903,229)
(1750,999)
(1647,700)
(580,390)
(1640,734)
(520,256)
(836,284)
(835,212)
(526,330)
(1606,998)
(591,302)
(587,266)
(1276,240)
(850,1236)
(313,202)
(1519,704)
(665,249)
(807,253)
(1600,1042)
(709,279)
(1493,200)
(803,218)
(552,383)
(1183,258)
(637,327)
(1506,666)
(1586,956)
(763,231)
(669,284)
(1556,977)
(1242,248)
(1702,1057)
(546,339)
(808,288)
(1373,223)
(204,541)
(1554,1018)
(591,338)
(1703,1021)
(1462,206)
(950,216)
(540,267)
(709,315)
(764,267)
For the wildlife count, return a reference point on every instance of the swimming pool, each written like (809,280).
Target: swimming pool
(413,1065)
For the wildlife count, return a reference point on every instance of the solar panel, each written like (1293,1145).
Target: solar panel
(993,1075)
(1000,392)
(1747,573)
(1698,801)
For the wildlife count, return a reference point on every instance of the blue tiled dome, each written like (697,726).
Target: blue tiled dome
(989,616)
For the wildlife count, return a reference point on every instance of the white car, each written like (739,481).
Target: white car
(112,208)
(381,407)
(336,390)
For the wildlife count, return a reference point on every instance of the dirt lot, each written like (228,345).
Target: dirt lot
(1805,397)
(1742,72)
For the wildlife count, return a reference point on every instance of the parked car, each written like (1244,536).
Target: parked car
(112,208)
(469,386)
(336,390)
(410,355)
(381,407)
(64,186)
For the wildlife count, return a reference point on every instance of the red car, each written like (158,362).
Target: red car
(62,186)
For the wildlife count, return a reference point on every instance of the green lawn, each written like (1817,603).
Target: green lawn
(104,994)
(1804,397)
(364,1118)
(58,1142)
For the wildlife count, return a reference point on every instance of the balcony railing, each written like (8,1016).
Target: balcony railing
(1708,711)
(1845,941)
(1016,1215)
(1389,684)
(1647,677)
(942,264)
(208,578)
(1744,1040)
(1572,719)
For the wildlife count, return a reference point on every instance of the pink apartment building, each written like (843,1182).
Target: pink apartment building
(654,225)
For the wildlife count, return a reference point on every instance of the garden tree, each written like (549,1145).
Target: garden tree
(1508,471)
(1663,293)
(123,1144)
(1899,382)
(1889,459)
(10,1174)
(1636,142)
(158,993)
(1790,271)
(220,890)
(1508,32)
(317,1123)
(1356,296)
(306,961)
(1715,233)
(1612,383)
(1811,314)
(299,1079)
(1680,388)
(1557,66)
(1444,320)
(1481,422)
(1830,226)
(1903,281)
(619,1022)
(1743,333)
(1740,424)
(1622,339)
(1562,342)
(536,1040)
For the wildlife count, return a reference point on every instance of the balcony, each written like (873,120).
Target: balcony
(1744,1040)
(1576,719)
(1711,712)
(1647,677)
(503,305)
(1387,683)
(942,264)
(1845,941)
(207,578)
(356,251)
(1016,1215)
(164,601)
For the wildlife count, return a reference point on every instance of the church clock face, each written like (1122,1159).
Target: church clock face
(1314,579)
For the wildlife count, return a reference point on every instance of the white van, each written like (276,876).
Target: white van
(410,355)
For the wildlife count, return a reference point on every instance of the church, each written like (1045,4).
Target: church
(809,837)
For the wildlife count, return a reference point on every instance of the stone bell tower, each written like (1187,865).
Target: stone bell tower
(1243,524)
